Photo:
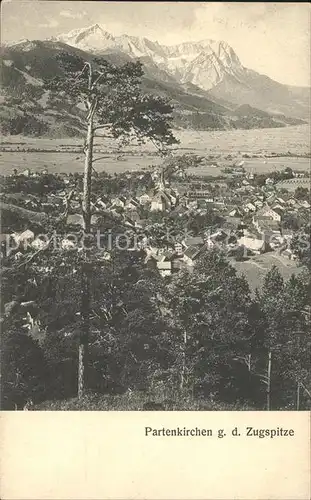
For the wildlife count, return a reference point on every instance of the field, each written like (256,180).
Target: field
(70,162)
(270,140)
(69,158)
(257,267)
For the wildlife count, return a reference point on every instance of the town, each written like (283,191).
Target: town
(175,216)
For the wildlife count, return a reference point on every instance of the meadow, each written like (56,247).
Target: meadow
(256,268)
(65,154)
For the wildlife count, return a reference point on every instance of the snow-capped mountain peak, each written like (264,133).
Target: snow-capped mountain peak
(92,38)
(204,63)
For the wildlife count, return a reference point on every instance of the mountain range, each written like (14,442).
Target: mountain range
(208,64)
(205,80)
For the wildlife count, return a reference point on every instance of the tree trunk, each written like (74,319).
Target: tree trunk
(269,382)
(87,179)
(183,367)
(84,335)
(298,396)
(85,292)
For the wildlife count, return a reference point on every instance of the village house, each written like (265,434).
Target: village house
(280,200)
(200,194)
(164,261)
(249,207)
(267,211)
(292,184)
(164,268)
(119,201)
(278,207)
(266,225)
(102,203)
(218,238)
(26,172)
(179,211)
(191,205)
(133,216)
(77,220)
(191,254)
(254,245)
(233,211)
(132,204)
(304,204)
(233,223)
(221,185)
(195,241)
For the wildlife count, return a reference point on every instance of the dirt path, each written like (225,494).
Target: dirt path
(258,265)
(281,260)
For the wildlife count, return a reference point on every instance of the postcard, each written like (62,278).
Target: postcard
(155,250)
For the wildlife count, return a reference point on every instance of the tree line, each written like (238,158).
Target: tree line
(202,334)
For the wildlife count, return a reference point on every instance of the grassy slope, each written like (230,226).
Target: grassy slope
(257,267)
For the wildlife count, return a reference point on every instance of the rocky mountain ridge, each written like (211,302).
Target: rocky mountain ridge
(210,65)
(28,109)
(202,63)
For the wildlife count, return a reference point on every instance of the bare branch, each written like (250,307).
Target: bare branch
(35,254)
(97,80)
(100,158)
(92,110)
(304,387)
(81,72)
(106,125)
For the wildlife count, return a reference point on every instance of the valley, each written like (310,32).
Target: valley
(262,151)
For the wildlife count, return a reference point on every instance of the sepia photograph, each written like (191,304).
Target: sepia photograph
(155,206)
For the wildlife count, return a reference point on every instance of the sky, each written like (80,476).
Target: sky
(271,38)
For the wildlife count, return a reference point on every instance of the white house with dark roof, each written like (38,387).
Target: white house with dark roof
(193,241)
(191,254)
(267,211)
(132,204)
(255,245)
(119,201)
